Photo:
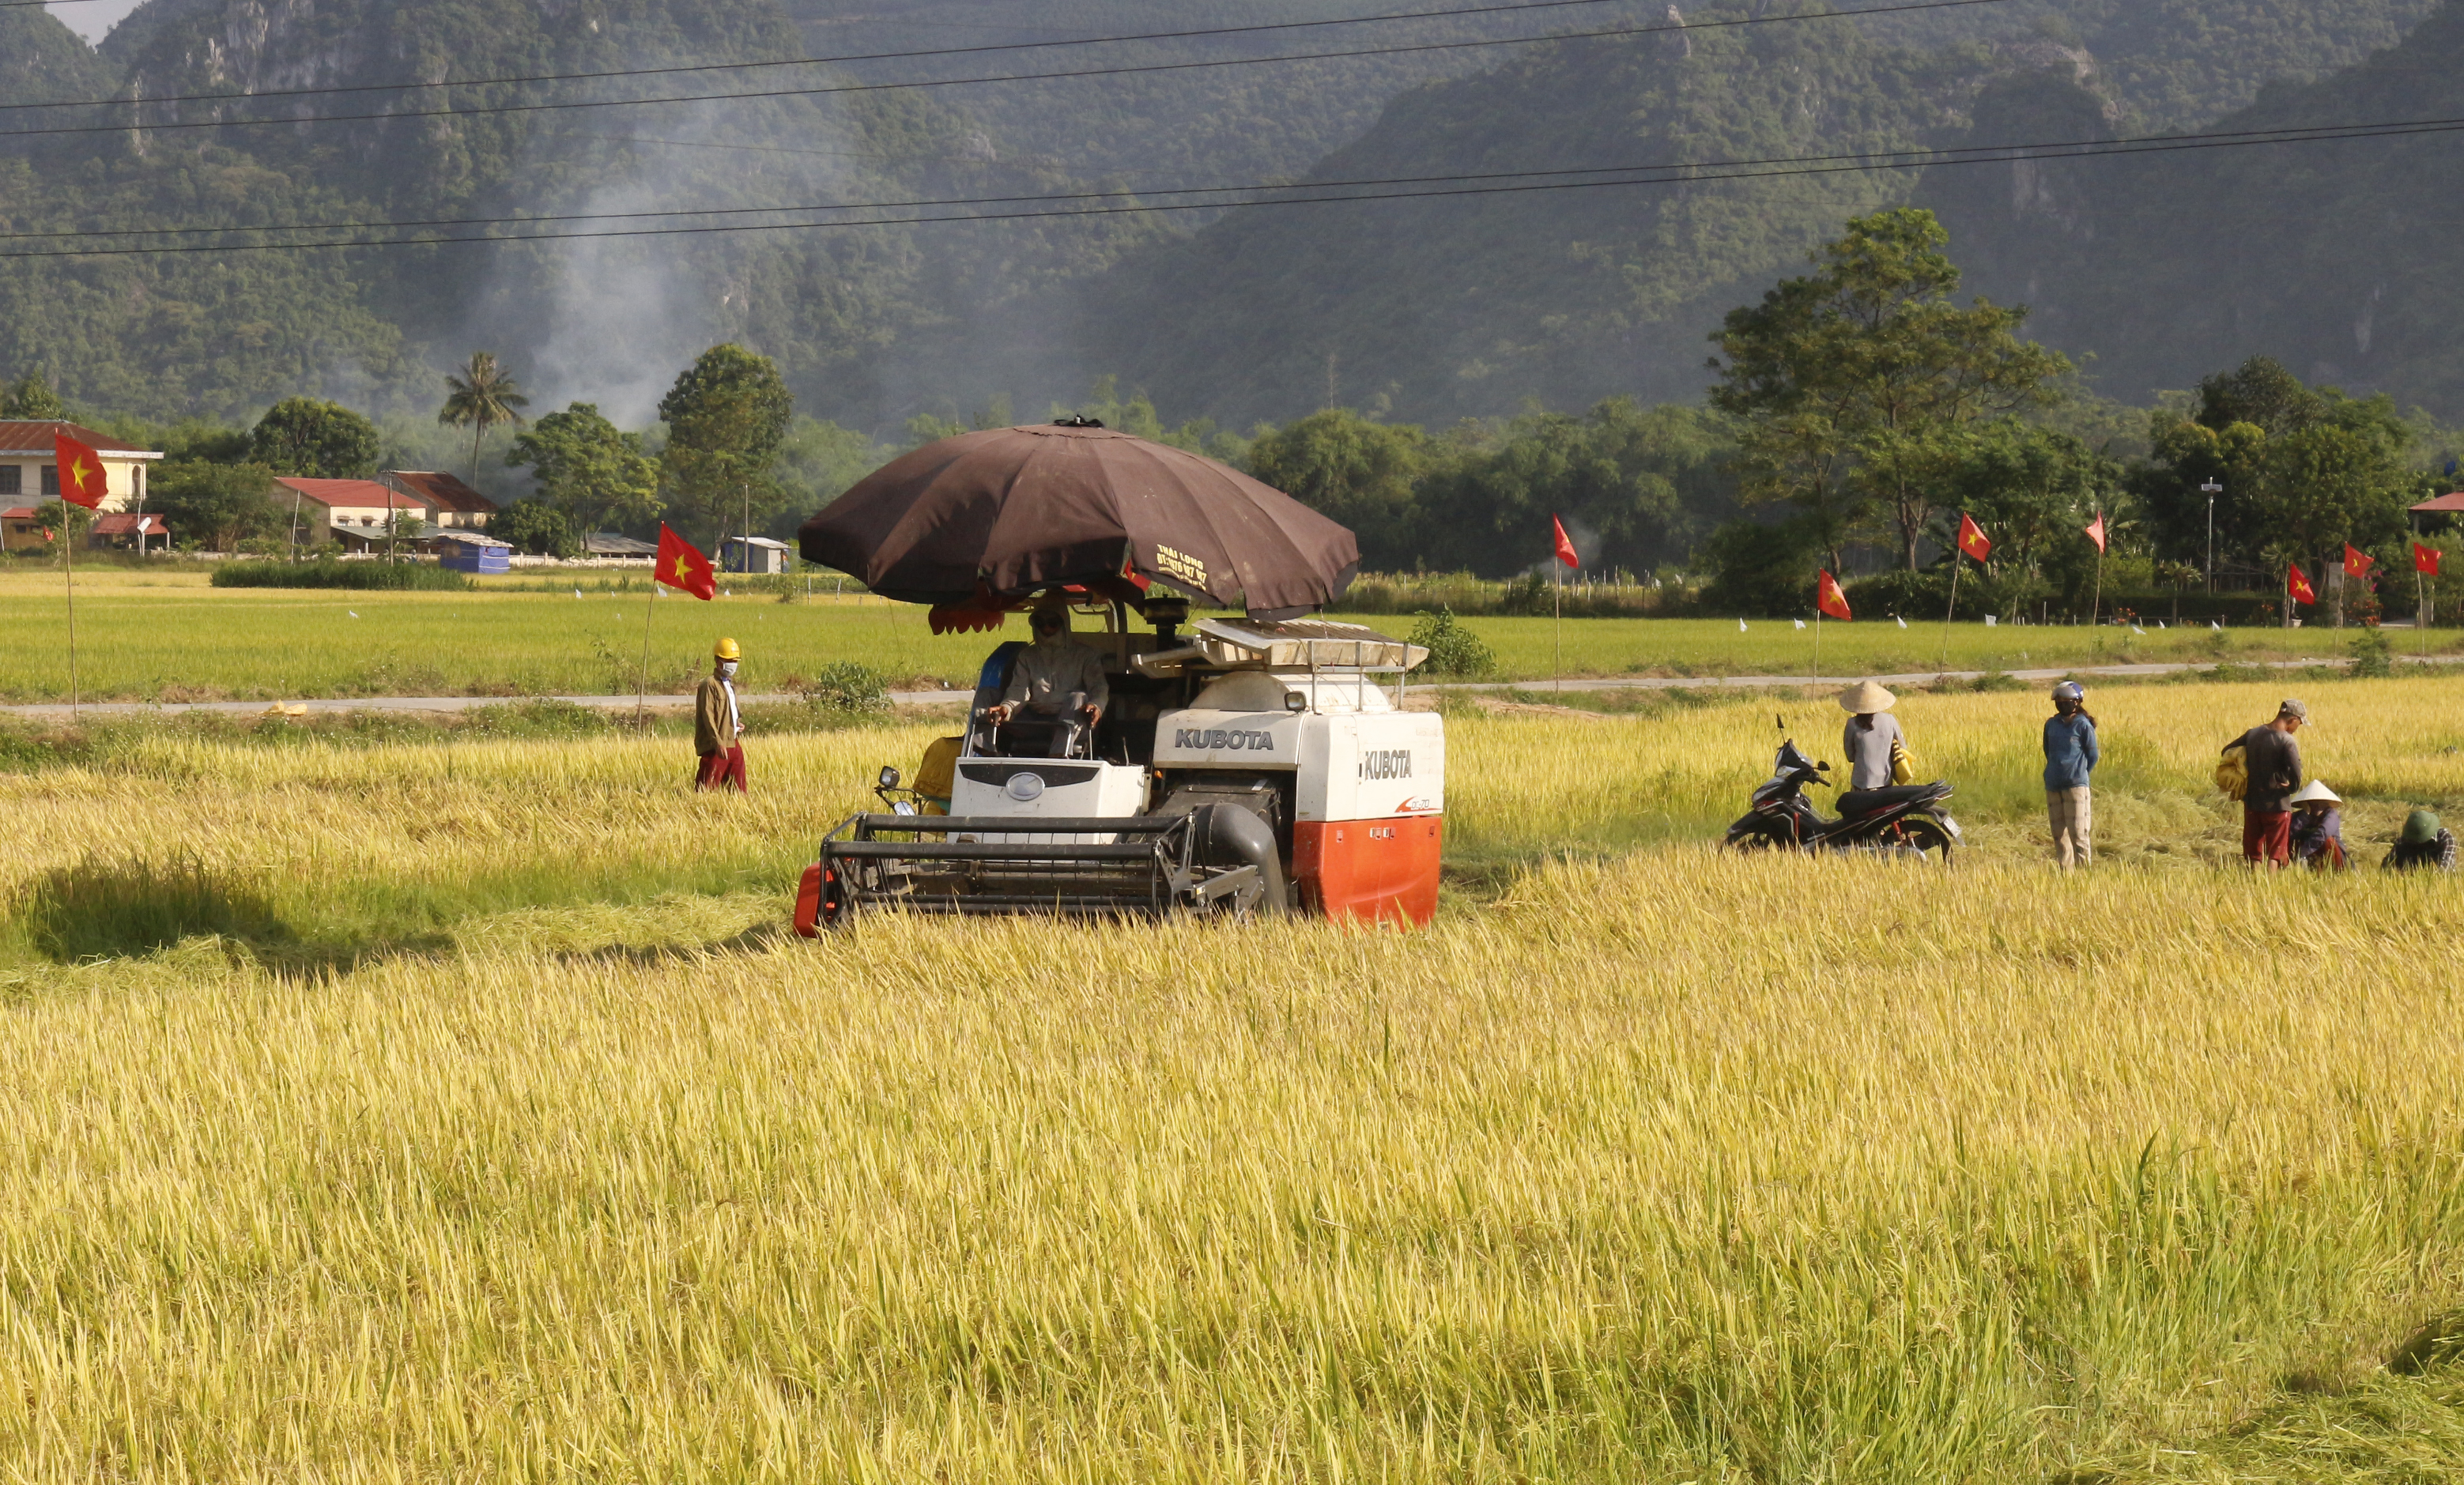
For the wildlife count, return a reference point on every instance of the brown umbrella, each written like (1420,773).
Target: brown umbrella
(1010,510)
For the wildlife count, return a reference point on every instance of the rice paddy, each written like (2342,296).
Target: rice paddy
(459,1108)
(163,635)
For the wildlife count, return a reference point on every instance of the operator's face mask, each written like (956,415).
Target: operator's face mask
(727,669)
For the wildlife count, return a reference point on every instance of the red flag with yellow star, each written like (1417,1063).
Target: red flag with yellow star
(682,566)
(1971,538)
(81,469)
(1828,597)
(2298,586)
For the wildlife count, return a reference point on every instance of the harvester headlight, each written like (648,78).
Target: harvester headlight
(1294,701)
(1024,787)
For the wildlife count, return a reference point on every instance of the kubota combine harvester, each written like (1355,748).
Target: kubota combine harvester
(1254,764)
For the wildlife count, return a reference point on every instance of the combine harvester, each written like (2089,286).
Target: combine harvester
(1258,765)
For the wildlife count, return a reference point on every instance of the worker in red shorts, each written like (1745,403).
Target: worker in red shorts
(718,723)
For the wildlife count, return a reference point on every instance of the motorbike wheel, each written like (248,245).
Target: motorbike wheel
(1927,840)
(1755,841)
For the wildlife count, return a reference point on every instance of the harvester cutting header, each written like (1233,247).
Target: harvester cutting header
(1257,763)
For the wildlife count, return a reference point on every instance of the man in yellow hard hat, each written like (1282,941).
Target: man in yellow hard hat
(718,724)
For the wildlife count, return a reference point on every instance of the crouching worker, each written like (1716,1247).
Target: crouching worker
(718,723)
(2318,827)
(2424,843)
(1056,681)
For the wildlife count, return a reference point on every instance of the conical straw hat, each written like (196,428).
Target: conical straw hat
(1866,696)
(2315,790)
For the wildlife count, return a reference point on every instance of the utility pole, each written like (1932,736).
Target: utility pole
(2211,490)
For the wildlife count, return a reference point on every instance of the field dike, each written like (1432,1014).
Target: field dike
(560,1160)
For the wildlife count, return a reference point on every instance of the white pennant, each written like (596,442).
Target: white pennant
(1800,623)
(1741,626)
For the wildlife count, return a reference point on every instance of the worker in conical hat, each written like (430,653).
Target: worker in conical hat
(1873,736)
(719,722)
(2318,833)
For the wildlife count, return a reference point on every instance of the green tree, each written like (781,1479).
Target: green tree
(2035,490)
(482,396)
(535,527)
(1856,386)
(1639,487)
(218,505)
(816,465)
(2301,471)
(305,437)
(726,417)
(590,471)
(1355,471)
(31,397)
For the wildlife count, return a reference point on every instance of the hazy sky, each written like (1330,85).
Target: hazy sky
(91,18)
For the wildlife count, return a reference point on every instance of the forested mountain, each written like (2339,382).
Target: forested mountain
(1428,309)
(1465,306)
(2338,259)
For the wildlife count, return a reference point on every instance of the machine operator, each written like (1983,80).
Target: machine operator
(1056,680)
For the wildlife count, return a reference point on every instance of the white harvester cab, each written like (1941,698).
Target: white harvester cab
(1262,765)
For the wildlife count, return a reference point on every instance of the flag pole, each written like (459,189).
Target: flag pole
(2096,604)
(1816,672)
(1952,611)
(642,696)
(68,563)
(1557,633)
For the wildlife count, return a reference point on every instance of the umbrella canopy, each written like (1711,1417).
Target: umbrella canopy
(1008,509)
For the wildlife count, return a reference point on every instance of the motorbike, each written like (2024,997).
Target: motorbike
(1898,819)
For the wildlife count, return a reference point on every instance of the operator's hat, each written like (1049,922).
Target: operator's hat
(726,649)
(2314,790)
(1866,696)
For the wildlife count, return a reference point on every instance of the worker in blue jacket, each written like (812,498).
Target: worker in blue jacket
(2070,756)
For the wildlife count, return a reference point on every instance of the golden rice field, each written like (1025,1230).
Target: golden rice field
(461,1110)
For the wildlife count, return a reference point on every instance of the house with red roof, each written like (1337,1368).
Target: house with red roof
(30,471)
(451,503)
(2438,512)
(359,513)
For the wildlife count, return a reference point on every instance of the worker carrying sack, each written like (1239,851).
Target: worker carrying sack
(1903,765)
(2232,771)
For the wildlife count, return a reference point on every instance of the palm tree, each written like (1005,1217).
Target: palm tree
(484,395)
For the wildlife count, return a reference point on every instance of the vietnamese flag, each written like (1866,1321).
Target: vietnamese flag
(2096,532)
(682,566)
(1565,544)
(80,472)
(2357,565)
(2425,560)
(2298,586)
(1828,597)
(1971,538)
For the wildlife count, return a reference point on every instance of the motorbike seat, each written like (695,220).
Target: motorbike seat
(1870,801)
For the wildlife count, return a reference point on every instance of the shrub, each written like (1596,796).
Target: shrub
(844,686)
(2371,653)
(390,577)
(1453,650)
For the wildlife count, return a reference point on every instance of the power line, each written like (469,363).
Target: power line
(1364,190)
(836,89)
(817,61)
(1506,7)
